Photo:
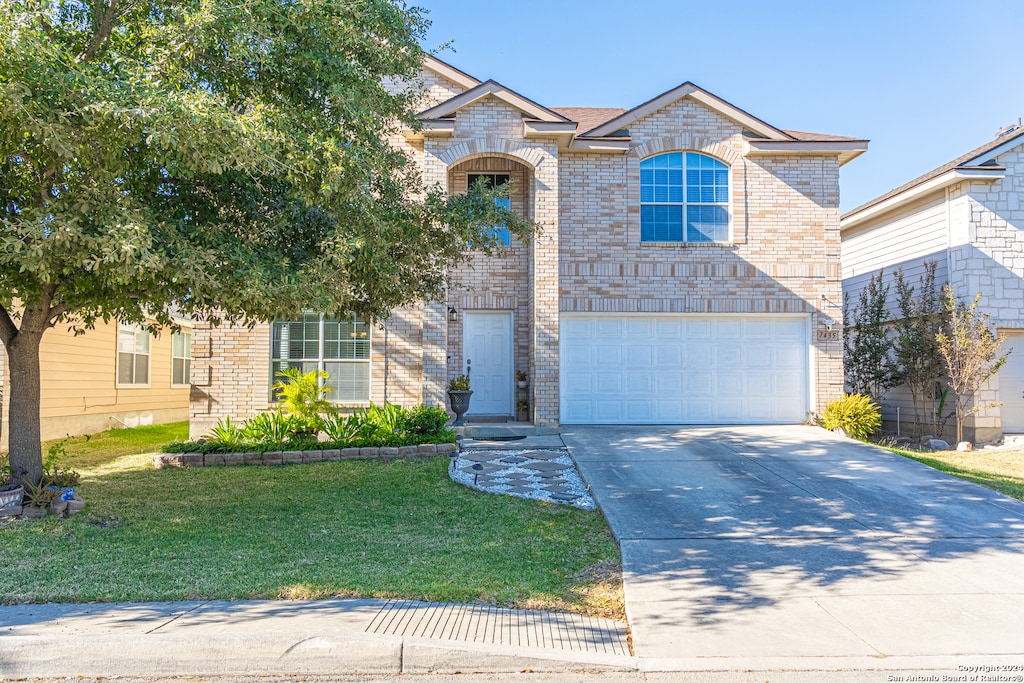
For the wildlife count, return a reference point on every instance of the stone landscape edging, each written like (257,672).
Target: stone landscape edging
(166,460)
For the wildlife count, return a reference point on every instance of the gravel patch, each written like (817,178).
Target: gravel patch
(547,474)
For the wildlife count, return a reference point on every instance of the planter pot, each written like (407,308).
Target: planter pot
(523,384)
(460,404)
(10,501)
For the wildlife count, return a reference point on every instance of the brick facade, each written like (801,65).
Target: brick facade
(782,257)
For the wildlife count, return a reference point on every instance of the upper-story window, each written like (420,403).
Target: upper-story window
(338,345)
(684,197)
(492,180)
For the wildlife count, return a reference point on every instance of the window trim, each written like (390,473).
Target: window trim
(187,357)
(137,329)
(684,204)
(321,361)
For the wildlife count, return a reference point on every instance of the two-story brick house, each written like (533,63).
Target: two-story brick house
(686,271)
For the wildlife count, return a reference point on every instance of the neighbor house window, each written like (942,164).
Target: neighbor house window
(684,197)
(492,180)
(132,355)
(181,358)
(338,345)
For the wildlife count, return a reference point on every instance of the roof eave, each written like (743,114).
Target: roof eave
(563,131)
(845,150)
(619,145)
(912,194)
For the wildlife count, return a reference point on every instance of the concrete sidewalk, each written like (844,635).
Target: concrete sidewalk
(300,637)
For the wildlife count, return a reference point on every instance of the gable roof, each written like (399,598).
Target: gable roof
(689,89)
(450,72)
(979,159)
(492,88)
(595,128)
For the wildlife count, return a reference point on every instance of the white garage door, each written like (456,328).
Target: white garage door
(637,369)
(1011,385)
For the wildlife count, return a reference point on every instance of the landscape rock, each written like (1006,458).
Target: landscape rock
(938,445)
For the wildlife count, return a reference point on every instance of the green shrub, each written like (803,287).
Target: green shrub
(269,426)
(341,428)
(855,414)
(426,420)
(225,432)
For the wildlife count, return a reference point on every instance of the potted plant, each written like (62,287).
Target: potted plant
(521,380)
(459,394)
(11,494)
(523,407)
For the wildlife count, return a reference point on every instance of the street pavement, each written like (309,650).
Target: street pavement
(770,548)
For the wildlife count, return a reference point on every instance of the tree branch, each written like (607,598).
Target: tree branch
(102,33)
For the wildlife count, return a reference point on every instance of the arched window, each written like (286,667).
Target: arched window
(684,197)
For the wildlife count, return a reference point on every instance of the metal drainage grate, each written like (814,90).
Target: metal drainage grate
(499,438)
(497,625)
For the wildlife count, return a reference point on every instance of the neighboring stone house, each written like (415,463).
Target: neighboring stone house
(968,217)
(686,271)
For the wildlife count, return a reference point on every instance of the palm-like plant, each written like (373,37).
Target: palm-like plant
(304,397)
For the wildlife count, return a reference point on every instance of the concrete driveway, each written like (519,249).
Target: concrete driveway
(790,547)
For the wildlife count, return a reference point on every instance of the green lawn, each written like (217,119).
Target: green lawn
(351,528)
(1000,470)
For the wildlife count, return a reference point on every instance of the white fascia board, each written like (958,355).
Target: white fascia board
(563,131)
(845,150)
(951,177)
(602,146)
(449,72)
(982,159)
(438,128)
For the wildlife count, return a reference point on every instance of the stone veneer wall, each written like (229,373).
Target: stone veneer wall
(987,256)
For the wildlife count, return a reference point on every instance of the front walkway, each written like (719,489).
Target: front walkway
(790,547)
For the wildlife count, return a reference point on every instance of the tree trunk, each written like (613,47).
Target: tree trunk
(26,455)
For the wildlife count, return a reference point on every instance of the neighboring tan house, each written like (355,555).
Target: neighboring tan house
(687,271)
(968,217)
(111,376)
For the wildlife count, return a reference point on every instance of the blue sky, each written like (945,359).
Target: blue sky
(924,81)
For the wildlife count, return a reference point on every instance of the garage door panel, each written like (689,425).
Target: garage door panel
(640,411)
(684,370)
(697,355)
(609,381)
(668,356)
(668,384)
(608,328)
(668,329)
(639,356)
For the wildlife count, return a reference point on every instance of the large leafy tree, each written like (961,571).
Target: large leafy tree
(218,158)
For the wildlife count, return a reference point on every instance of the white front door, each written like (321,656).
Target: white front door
(1011,385)
(487,346)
